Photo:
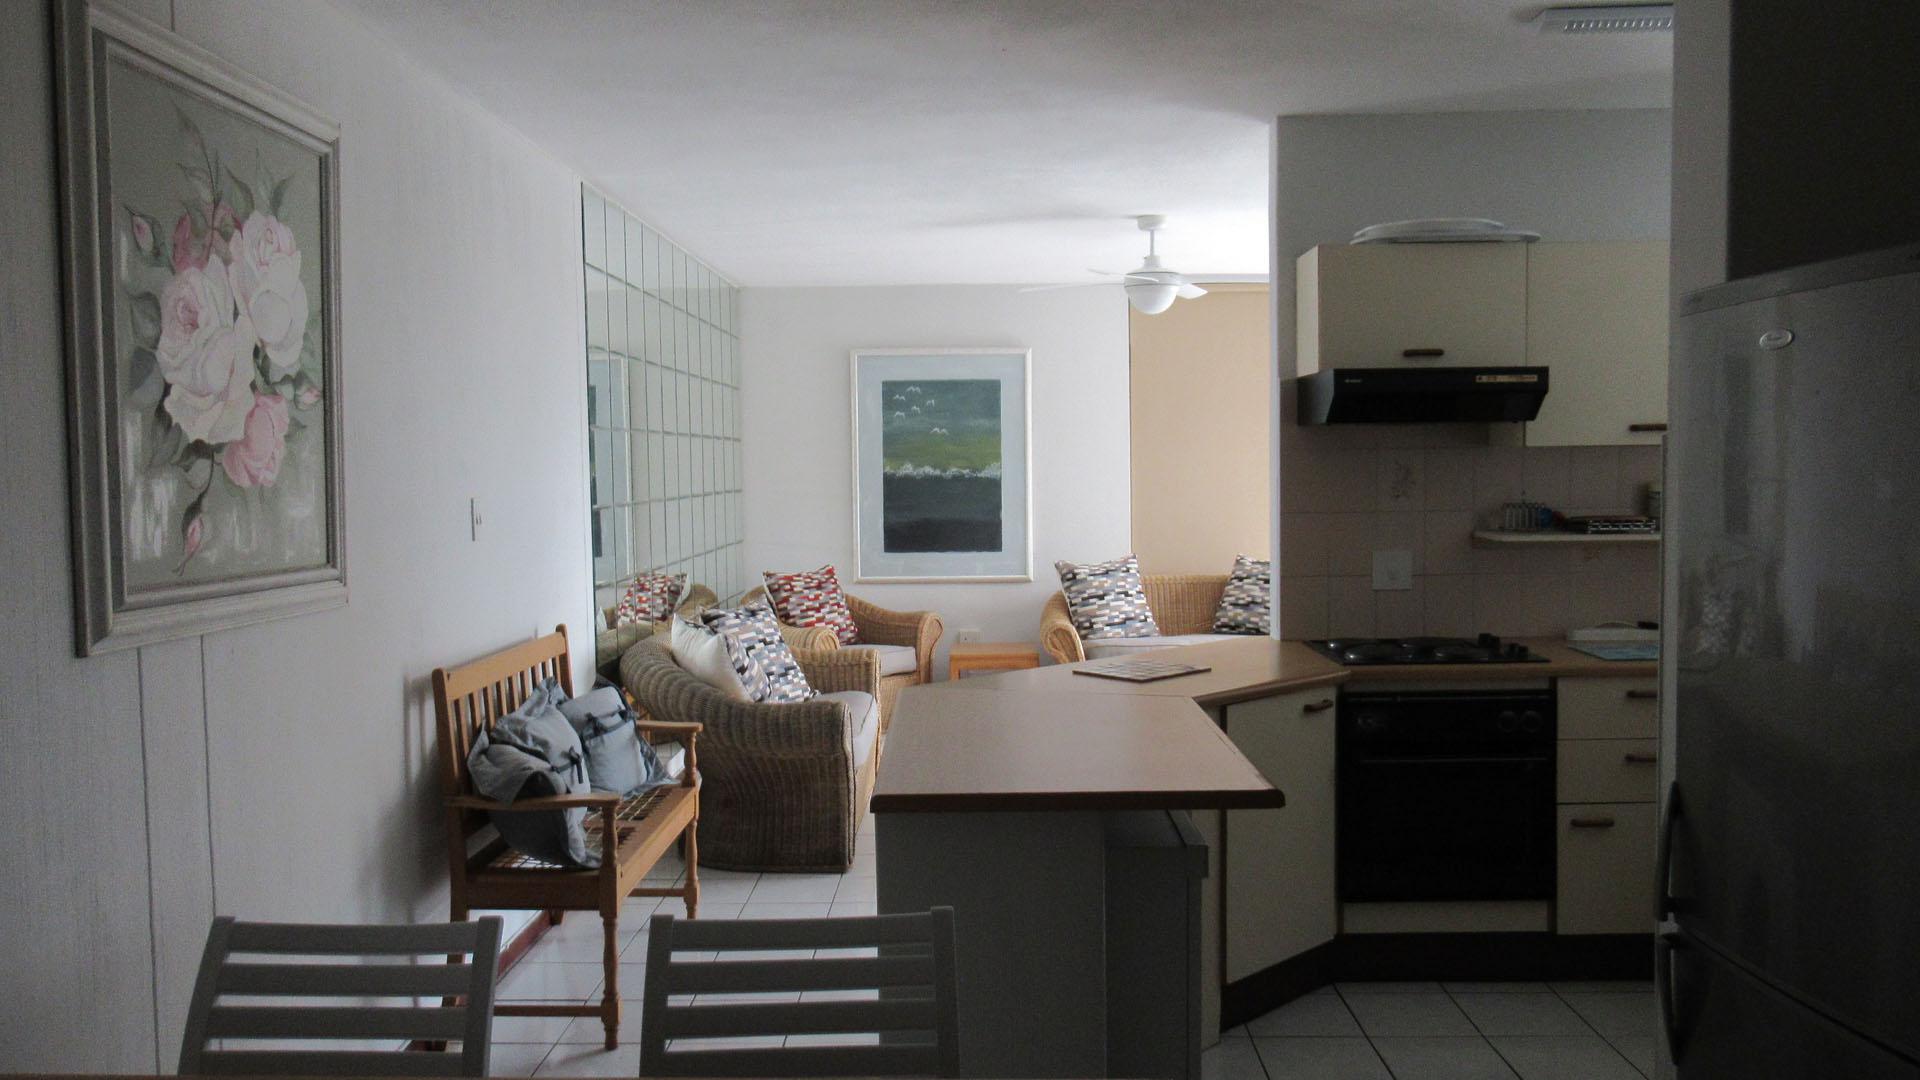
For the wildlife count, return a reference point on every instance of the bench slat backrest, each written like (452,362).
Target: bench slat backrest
(472,697)
(324,1002)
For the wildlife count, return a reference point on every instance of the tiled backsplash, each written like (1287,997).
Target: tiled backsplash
(1349,490)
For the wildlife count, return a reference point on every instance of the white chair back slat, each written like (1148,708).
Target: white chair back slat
(905,961)
(331,1001)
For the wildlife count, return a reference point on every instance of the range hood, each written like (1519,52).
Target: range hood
(1398,395)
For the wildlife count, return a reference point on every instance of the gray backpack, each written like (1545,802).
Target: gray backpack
(532,752)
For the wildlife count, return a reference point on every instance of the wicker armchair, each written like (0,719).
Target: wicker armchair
(1181,604)
(611,644)
(877,626)
(779,789)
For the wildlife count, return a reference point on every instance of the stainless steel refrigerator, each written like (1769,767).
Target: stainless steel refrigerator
(1790,850)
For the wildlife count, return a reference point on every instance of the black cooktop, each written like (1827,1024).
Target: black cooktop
(1487,649)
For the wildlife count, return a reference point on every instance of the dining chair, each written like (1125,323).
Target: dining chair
(285,993)
(868,996)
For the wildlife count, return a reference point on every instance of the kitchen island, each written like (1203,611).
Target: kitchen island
(1055,815)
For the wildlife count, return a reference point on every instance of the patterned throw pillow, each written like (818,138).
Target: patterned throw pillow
(650,597)
(758,630)
(1106,600)
(718,659)
(1247,606)
(812,598)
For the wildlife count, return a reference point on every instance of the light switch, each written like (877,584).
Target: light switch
(1392,570)
(473,516)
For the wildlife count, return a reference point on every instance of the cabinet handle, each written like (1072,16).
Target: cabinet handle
(1641,759)
(1647,427)
(1592,823)
(1423,354)
(1317,706)
(1643,695)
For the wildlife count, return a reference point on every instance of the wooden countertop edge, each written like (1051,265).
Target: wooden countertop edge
(1562,663)
(1271,688)
(1016,801)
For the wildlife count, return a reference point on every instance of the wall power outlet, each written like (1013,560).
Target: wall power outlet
(967,637)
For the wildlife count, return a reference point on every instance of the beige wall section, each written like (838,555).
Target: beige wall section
(1201,492)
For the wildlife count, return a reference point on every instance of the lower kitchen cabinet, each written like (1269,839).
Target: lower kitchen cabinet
(1606,868)
(1279,865)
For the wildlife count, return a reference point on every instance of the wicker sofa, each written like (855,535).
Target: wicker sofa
(918,630)
(1183,605)
(782,786)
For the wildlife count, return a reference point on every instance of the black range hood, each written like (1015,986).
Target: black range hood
(1396,395)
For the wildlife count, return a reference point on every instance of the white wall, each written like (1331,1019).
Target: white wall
(799,473)
(283,771)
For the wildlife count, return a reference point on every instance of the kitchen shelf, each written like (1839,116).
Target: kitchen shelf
(1501,536)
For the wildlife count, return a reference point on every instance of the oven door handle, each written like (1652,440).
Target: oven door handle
(1453,760)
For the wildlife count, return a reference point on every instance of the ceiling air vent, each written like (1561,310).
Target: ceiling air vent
(1614,19)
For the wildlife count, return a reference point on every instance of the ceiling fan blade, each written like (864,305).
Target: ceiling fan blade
(1070,285)
(1108,273)
(1189,291)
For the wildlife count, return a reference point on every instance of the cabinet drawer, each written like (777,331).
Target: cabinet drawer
(1608,770)
(1605,869)
(1609,708)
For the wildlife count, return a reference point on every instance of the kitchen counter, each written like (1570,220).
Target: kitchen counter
(1562,662)
(1253,667)
(956,748)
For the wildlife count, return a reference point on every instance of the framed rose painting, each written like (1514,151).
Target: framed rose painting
(201,238)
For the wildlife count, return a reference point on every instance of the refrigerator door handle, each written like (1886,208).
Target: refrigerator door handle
(1664,946)
(1668,904)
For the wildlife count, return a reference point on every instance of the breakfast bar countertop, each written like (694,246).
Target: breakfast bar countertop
(958,749)
(1242,670)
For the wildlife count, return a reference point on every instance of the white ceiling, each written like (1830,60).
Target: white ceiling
(839,142)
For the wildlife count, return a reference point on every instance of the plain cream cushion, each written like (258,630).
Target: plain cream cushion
(703,653)
(894,659)
(1102,648)
(865,715)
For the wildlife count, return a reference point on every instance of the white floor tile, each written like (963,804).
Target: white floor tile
(1231,1059)
(1409,1015)
(1613,986)
(1618,1016)
(632,982)
(757,910)
(584,1059)
(1315,1014)
(1240,1032)
(581,939)
(1640,1050)
(516,1059)
(851,1038)
(1497,988)
(749,1042)
(795,889)
(534,980)
(1521,1014)
(589,1029)
(1389,988)
(857,887)
(1442,1059)
(1585,1057)
(540,1030)
(853,909)
(1321,1059)
(726,886)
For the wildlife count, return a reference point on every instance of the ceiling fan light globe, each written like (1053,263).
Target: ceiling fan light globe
(1151,297)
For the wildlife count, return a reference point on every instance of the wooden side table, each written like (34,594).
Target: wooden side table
(976,656)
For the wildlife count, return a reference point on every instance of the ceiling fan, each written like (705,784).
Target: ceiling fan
(1152,288)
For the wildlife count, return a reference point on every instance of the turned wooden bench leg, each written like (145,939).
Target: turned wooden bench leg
(610,998)
(692,894)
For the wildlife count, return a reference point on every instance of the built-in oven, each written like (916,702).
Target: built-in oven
(1446,795)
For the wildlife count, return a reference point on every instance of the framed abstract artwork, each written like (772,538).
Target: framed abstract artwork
(942,464)
(201,229)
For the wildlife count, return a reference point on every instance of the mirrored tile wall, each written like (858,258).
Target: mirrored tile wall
(663,408)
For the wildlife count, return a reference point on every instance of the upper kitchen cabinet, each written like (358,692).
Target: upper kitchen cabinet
(1596,318)
(1397,305)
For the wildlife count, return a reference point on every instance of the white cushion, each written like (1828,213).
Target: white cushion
(1100,648)
(866,721)
(894,659)
(703,653)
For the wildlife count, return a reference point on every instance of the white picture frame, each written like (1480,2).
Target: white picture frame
(253,175)
(976,446)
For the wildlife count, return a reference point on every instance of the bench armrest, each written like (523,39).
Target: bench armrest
(672,727)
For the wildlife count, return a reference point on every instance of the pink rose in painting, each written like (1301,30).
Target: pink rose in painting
(308,397)
(265,275)
(185,255)
(196,534)
(143,234)
(254,459)
(205,353)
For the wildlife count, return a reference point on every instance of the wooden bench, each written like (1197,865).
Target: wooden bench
(630,833)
